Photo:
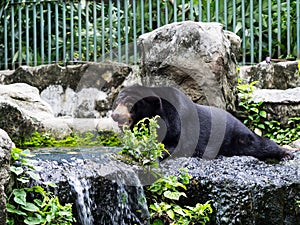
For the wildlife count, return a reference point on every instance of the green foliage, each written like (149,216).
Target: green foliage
(165,198)
(251,113)
(255,118)
(106,138)
(141,146)
(33,205)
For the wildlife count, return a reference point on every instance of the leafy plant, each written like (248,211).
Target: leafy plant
(164,203)
(255,118)
(33,205)
(251,113)
(141,146)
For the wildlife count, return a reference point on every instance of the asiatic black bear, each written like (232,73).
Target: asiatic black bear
(189,129)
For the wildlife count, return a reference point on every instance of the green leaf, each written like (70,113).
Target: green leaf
(171,214)
(12,209)
(263,114)
(20,196)
(16,170)
(30,207)
(174,195)
(34,220)
(34,175)
(157,222)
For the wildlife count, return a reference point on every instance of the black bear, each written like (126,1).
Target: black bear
(189,129)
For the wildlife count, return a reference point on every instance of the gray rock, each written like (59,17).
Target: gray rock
(197,57)
(279,104)
(5,147)
(79,104)
(22,110)
(296,144)
(244,190)
(105,77)
(282,75)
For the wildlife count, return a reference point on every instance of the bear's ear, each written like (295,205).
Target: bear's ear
(153,100)
(245,139)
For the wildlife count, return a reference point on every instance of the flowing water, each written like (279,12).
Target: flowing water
(102,190)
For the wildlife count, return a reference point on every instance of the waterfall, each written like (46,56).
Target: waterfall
(101,189)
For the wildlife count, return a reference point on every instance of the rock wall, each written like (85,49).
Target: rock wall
(199,58)
(5,147)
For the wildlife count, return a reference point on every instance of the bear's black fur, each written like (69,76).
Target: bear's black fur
(189,129)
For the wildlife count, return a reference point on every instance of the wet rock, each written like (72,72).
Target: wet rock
(282,75)
(244,190)
(199,58)
(5,147)
(280,105)
(95,186)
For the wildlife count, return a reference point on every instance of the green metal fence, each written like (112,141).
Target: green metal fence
(51,31)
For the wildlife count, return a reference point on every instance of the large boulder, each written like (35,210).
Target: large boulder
(22,111)
(282,75)
(197,57)
(5,147)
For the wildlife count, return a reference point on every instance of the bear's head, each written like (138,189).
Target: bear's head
(134,104)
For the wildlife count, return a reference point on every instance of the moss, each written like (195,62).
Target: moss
(38,140)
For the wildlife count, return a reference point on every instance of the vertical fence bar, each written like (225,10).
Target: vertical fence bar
(183,10)
(225,15)
(191,11)
(27,34)
(103,30)
(79,33)
(42,33)
(119,32)
(20,31)
(166,12)
(49,31)
(270,27)
(288,35)
(126,30)
(56,34)
(260,30)
(34,35)
(233,16)
(207,11)
(279,26)
(142,17)
(87,34)
(13,33)
(217,10)
(65,59)
(244,33)
(175,10)
(298,28)
(72,31)
(158,13)
(200,10)
(95,29)
(5,41)
(134,32)
(150,15)
(110,30)
(251,33)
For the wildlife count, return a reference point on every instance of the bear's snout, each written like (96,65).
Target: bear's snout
(122,115)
